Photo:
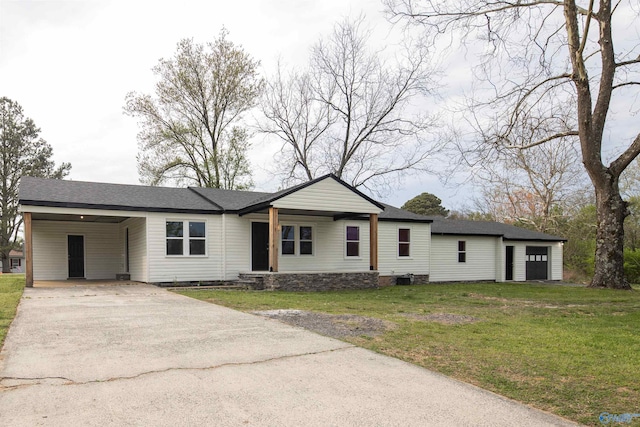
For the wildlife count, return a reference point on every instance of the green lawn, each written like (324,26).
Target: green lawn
(568,350)
(11,286)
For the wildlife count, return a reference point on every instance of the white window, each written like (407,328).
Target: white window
(353,241)
(462,251)
(197,238)
(306,240)
(288,240)
(302,240)
(404,242)
(186,238)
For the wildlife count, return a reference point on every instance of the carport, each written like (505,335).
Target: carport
(75,245)
(70,283)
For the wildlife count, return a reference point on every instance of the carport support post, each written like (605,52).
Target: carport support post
(28,248)
(373,242)
(274,237)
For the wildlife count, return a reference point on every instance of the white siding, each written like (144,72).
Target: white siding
(389,263)
(137,248)
(556,257)
(519,259)
(329,246)
(555,270)
(164,268)
(480,263)
(501,261)
(238,245)
(102,245)
(327,195)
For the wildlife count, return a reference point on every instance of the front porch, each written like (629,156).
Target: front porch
(312,280)
(272,238)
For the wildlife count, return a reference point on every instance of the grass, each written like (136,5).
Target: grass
(11,286)
(572,351)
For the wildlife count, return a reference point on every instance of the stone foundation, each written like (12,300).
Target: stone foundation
(320,281)
(418,279)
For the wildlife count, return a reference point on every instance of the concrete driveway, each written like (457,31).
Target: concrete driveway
(140,355)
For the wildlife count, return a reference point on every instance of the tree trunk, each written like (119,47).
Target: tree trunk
(609,261)
(6,264)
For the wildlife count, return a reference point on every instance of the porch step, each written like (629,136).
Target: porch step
(241,287)
(255,279)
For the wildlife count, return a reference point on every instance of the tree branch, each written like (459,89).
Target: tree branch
(547,139)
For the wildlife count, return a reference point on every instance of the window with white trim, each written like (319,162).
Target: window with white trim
(296,240)
(462,251)
(404,242)
(306,240)
(185,238)
(288,240)
(175,238)
(197,238)
(353,241)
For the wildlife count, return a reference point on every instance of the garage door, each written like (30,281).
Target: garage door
(537,262)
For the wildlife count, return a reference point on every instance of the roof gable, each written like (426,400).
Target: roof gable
(327,193)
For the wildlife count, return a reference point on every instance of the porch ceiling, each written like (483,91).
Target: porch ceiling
(78,218)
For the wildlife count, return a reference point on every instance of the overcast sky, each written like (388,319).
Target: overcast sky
(71,63)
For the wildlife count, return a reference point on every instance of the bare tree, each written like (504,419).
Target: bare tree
(531,187)
(190,129)
(543,55)
(351,113)
(22,153)
(298,120)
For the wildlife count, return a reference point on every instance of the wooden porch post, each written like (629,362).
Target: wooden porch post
(28,249)
(373,242)
(274,237)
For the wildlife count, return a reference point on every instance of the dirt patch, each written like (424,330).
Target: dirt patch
(331,325)
(446,318)
(523,303)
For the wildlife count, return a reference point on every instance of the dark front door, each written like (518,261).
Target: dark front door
(75,247)
(537,262)
(259,246)
(509,264)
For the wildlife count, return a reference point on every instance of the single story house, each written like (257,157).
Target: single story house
(16,260)
(323,234)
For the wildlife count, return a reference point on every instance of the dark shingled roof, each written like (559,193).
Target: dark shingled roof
(94,195)
(80,194)
(230,200)
(391,213)
(445,226)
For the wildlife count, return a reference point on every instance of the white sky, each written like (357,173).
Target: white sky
(70,64)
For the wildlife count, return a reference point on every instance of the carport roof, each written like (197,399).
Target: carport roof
(94,195)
